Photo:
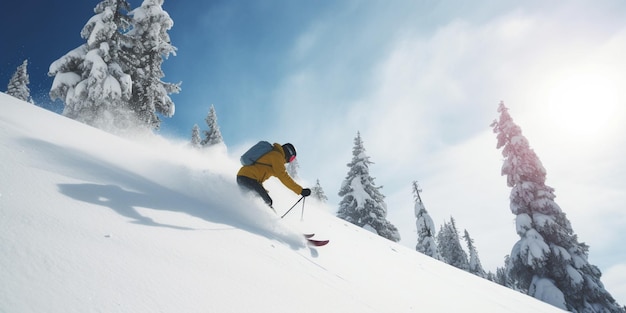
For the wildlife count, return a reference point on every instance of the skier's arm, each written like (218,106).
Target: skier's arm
(281,173)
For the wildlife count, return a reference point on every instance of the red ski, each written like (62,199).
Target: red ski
(317,243)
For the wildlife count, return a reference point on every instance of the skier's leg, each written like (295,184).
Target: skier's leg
(249,184)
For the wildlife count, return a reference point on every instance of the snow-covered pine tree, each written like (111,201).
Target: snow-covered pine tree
(426,242)
(212,136)
(151,44)
(548,261)
(362,203)
(475,267)
(91,79)
(318,193)
(195,136)
(18,85)
(449,246)
(502,276)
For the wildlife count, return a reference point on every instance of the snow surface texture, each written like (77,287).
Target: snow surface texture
(91,222)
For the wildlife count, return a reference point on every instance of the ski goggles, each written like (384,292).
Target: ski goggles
(293,157)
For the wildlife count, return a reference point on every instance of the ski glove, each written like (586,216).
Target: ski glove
(306,192)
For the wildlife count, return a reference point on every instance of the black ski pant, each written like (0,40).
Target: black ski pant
(249,184)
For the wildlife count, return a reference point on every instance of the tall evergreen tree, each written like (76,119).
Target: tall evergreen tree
(196,141)
(426,242)
(151,44)
(212,136)
(18,85)
(362,203)
(450,246)
(475,267)
(318,193)
(91,79)
(502,276)
(548,261)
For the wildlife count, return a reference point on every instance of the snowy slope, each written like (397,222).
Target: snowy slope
(91,222)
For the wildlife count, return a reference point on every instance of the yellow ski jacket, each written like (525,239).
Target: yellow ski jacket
(271,164)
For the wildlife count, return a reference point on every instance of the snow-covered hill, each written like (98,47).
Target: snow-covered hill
(92,222)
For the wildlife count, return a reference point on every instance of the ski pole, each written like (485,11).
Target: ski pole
(302,214)
(292,206)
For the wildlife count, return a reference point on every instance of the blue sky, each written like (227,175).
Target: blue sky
(421,81)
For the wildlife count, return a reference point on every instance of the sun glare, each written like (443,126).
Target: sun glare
(583,103)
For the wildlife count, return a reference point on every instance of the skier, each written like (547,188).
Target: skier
(251,177)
